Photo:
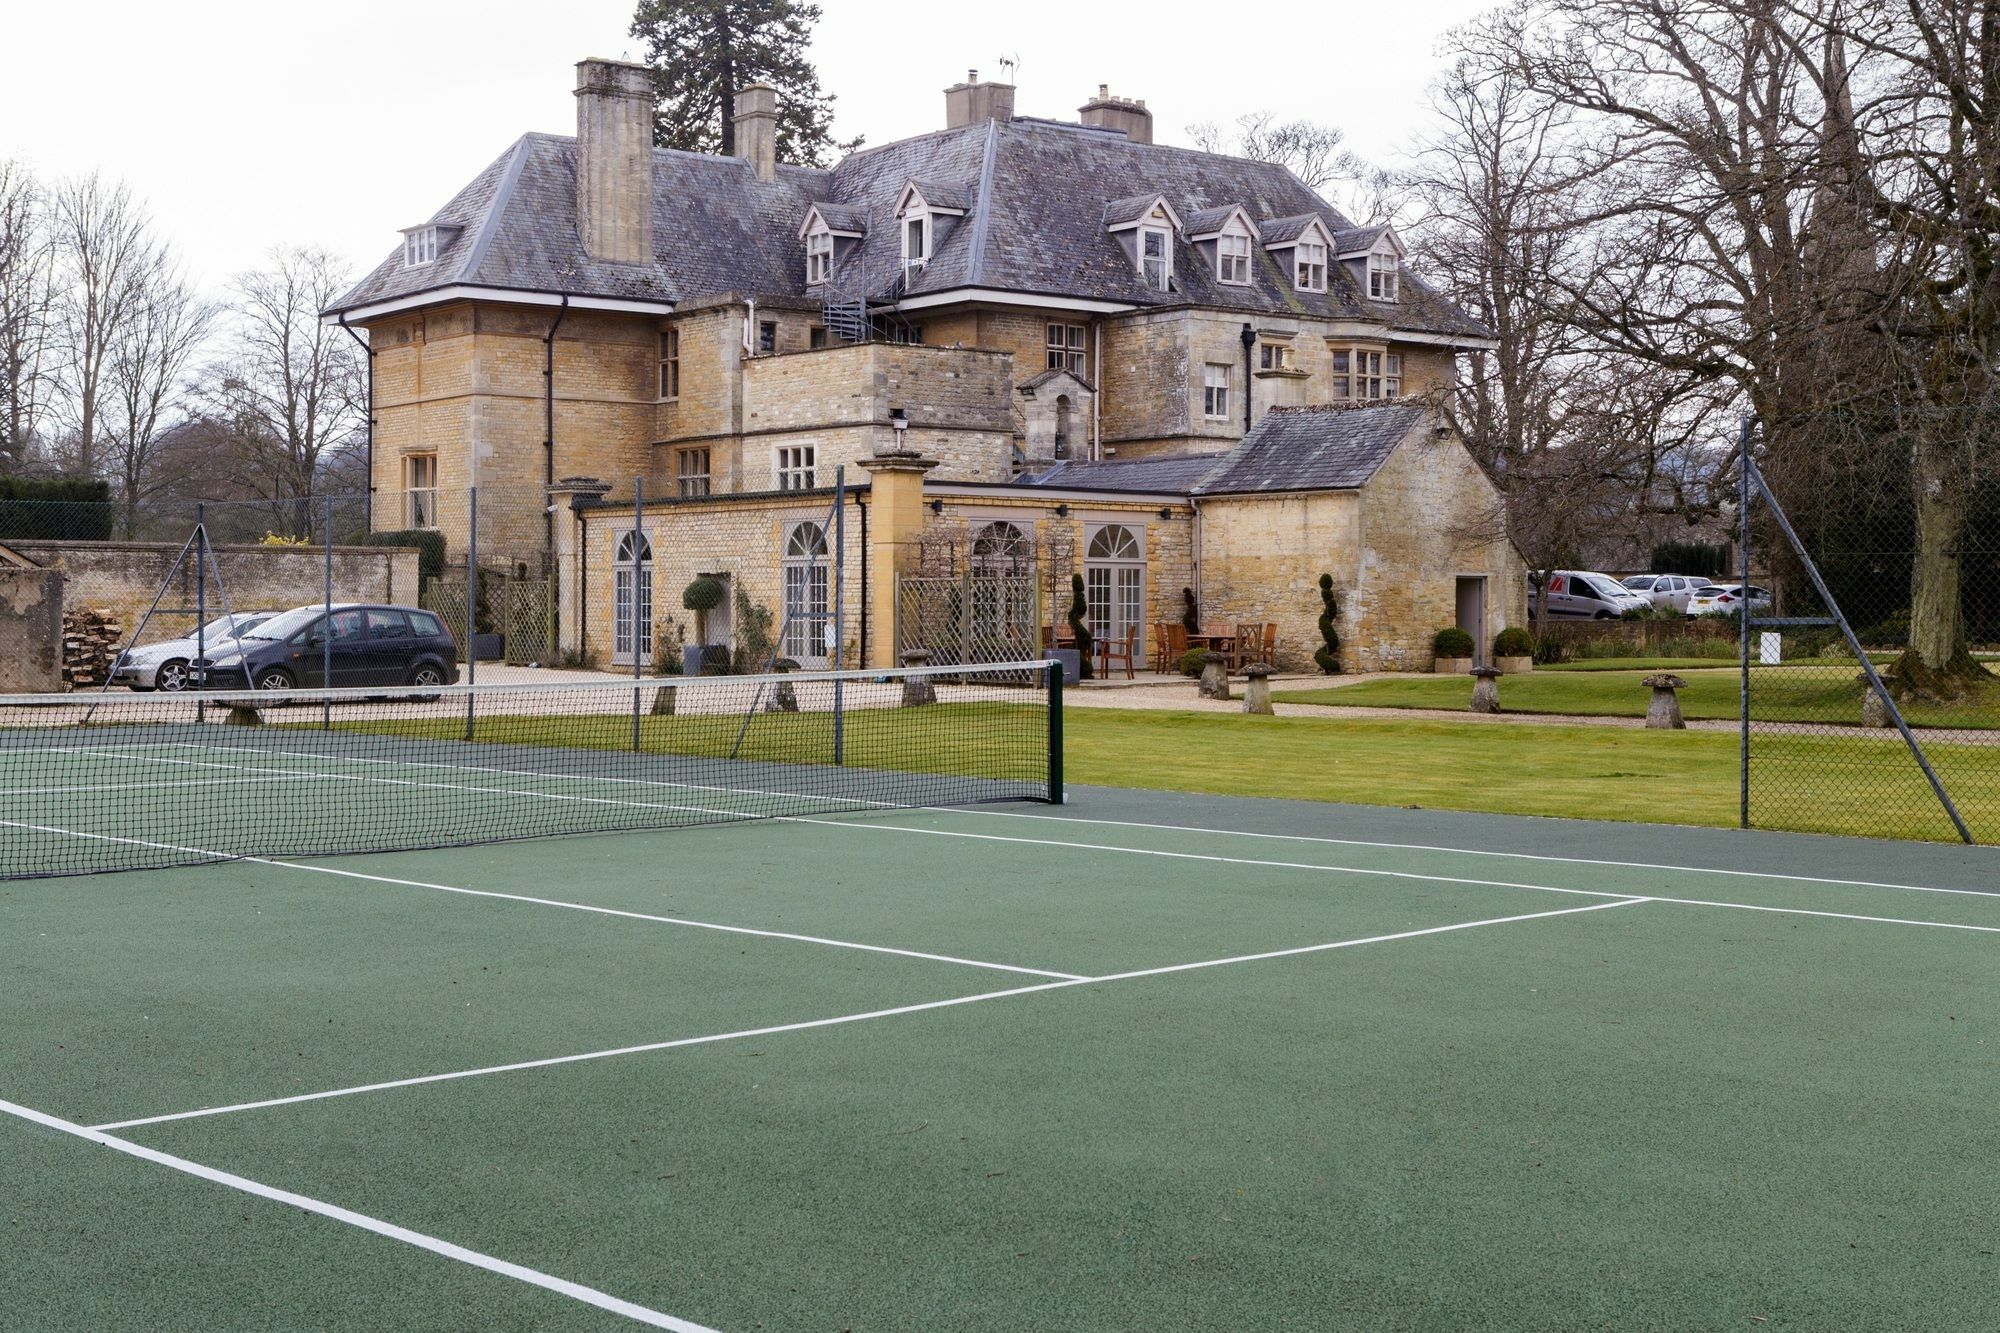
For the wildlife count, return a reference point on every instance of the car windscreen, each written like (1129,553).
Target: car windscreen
(229,626)
(285,624)
(1642,583)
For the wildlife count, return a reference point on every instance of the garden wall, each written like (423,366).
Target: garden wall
(31,630)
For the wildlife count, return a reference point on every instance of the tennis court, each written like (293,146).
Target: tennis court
(880,1061)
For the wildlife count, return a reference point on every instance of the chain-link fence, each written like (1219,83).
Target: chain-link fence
(1873,607)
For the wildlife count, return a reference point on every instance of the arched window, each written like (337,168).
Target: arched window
(1004,622)
(808,575)
(1000,548)
(1062,425)
(632,598)
(1114,582)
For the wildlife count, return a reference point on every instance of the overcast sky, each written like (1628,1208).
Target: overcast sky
(245,124)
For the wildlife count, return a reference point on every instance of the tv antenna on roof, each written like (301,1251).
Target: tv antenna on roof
(1010,67)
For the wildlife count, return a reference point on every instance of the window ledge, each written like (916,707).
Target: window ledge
(1287,373)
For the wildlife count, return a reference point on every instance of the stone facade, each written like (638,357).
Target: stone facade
(31,630)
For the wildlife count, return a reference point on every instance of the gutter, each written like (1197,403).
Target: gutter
(367,345)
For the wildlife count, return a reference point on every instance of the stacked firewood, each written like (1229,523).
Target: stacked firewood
(91,642)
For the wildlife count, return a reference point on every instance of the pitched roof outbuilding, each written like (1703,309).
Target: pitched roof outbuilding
(1327,448)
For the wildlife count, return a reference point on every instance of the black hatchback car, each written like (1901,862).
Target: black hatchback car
(362,646)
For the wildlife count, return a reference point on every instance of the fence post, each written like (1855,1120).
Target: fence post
(839,608)
(200,608)
(471,603)
(639,577)
(1055,732)
(326,633)
(1743,433)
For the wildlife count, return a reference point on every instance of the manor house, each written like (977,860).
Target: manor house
(1026,348)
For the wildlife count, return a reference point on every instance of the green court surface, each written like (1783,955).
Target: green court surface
(1147,1061)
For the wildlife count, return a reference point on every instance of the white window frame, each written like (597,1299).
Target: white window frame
(806,615)
(1309,266)
(1115,585)
(793,467)
(1232,259)
(670,365)
(1385,276)
(1215,391)
(420,493)
(420,247)
(1063,347)
(632,596)
(917,225)
(1392,375)
(690,482)
(1165,259)
(819,257)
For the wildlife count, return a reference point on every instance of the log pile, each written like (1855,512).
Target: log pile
(91,642)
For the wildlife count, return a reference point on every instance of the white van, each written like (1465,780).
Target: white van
(1577,594)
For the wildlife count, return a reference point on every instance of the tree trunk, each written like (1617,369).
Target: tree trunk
(1937,663)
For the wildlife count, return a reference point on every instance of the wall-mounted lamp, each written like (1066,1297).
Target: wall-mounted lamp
(937,506)
(1062,511)
(1166,513)
(899,421)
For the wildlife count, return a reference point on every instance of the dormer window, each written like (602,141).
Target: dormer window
(1384,277)
(420,246)
(819,257)
(1156,257)
(919,207)
(1232,259)
(1309,265)
(917,241)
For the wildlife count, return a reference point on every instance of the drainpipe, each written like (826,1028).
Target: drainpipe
(1096,412)
(576,504)
(1249,337)
(861,509)
(549,430)
(367,345)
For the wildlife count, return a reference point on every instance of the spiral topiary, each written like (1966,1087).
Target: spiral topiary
(1327,657)
(1190,619)
(1079,626)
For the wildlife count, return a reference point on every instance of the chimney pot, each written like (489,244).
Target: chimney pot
(757,129)
(970,102)
(1106,112)
(614,160)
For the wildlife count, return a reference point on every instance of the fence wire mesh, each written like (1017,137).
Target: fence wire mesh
(1900,523)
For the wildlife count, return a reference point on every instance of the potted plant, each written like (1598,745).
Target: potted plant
(701,596)
(1079,626)
(1514,651)
(1452,650)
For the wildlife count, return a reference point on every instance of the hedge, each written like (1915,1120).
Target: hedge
(56,509)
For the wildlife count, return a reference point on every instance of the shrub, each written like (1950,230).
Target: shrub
(430,548)
(704,594)
(1327,655)
(1079,626)
(1893,632)
(1193,660)
(1551,649)
(1513,642)
(56,509)
(757,649)
(1452,642)
(1190,617)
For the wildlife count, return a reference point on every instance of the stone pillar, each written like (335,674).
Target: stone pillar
(1214,678)
(1485,689)
(573,599)
(614,160)
(1257,694)
(1874,713)
(895,522)
(1664,712)
(757,129)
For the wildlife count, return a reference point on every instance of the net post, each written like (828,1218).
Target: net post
(1743,433)
(1055,796)
(326,638)
(471,600)
(840,610)
(200,603)
(639,576)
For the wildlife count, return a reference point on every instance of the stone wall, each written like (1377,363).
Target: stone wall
(123,578)
(1262,556)
(31,630)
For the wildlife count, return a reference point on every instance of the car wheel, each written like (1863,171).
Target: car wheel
(1604,615)
(274,678)
(425,677)
(172,676)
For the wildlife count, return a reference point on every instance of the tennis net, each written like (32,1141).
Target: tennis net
(117,781)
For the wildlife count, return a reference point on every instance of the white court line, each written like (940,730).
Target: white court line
(548,902)
(1216,858)
(576,1291)
(866,1016)
(149,786)
(1120,823)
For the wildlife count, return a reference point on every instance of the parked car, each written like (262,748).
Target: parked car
(165,666)
(369,645)
(1726,599)
(1576,594)
(1666,592)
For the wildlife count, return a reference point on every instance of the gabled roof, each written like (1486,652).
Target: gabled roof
(1203,223)
(1351,242)
(939,196)
(1049,377)
(1131,211)
(1280,232)
(1327,448)
(840,219)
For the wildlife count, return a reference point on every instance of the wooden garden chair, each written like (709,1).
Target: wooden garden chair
(1112,653)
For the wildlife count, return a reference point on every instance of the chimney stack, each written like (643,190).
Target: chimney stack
(614,161)
(1118,113)
(757,129)
(970,102)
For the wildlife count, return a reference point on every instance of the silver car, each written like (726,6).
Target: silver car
(1667,592)
(164,666)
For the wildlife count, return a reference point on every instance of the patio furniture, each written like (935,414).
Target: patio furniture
(1217,638)
(1249,643)
(1170,644)
(1111,652)
(1265,646)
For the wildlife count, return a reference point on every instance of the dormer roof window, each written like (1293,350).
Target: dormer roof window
(1377,256)
(1232,233)
(829,231)
(423,244)
(917,208)
(1145,226)
(1304,244)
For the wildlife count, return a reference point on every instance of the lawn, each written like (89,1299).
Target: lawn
(1810,693)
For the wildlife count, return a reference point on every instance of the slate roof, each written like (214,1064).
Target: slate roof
(1034,191)
(1327,448)
(1353,240)
(1279,230)
(1120,212)
(842,217)
(1176,475)
(1208,221)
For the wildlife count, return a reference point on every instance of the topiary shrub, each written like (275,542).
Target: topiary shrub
(1190,617)
(1327,656)
(1192,661)
(1513,642)
(1079,626)
(1452,642)
(702,596)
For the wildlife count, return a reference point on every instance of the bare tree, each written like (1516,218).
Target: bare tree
(1311,151)
(288,389)
(27,293)
(146,382)
(103,251)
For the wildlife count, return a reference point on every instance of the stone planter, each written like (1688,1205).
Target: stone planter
(1072,663)
(1451,666)
(704,659)
(1514,666)
(488,647)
